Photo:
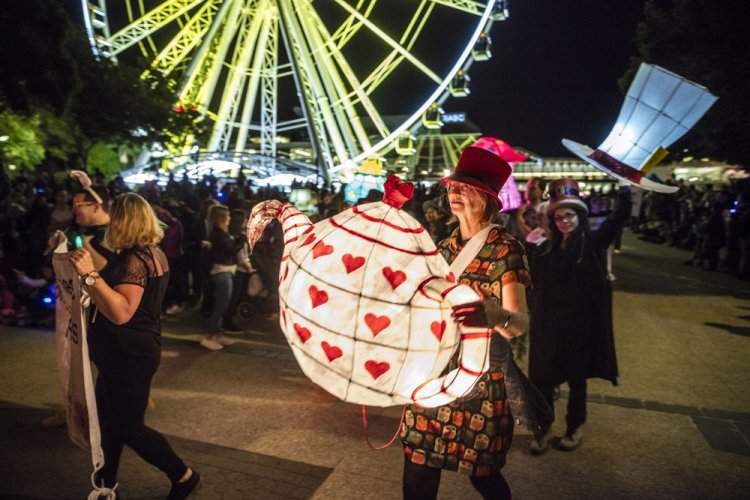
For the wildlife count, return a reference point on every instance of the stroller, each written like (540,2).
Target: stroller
(260,296)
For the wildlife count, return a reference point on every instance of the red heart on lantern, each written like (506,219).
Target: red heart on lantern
(332,352)
(377,369)
(352,263)
(438,329)
(286,273)
(395,278)
(377,323)
(321,249)
(302,332)
(308,240)
(318,297)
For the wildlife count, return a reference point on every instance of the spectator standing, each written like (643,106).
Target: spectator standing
(572,337)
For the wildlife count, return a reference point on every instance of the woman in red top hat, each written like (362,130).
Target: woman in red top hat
(473,435)
(571,306)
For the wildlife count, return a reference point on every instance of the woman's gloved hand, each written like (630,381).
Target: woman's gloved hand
(482,313)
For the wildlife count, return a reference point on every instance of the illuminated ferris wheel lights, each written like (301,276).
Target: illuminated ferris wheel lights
(433,116)
(500,11)
(459,86)
(482,48)
(405,145)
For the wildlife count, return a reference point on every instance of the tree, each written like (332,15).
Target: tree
(705,41)
(22,140)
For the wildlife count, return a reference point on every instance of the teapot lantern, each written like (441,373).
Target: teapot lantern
(365,303)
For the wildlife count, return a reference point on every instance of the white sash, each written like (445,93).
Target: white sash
(469,251)
(74,366)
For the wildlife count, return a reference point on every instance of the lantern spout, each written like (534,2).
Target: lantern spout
(293,222)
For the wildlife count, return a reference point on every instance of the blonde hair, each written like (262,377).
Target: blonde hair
(490,207)
(215,214)
(132,223)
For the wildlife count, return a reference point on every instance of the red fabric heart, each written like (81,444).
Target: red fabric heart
(286,273)
(395,278)
(451,277)
(376,369)
(352,263)
(318,297)
(308,240)
(302,332)
(397,192)
(321,249)
(377,323)
(438,329)
(332,352)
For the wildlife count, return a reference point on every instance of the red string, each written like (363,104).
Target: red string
(367,438)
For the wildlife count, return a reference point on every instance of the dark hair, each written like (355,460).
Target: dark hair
(101,191)
(555,239)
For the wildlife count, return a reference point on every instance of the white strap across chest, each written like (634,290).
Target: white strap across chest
(469,251)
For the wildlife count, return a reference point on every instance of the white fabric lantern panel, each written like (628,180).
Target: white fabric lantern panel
(366,301)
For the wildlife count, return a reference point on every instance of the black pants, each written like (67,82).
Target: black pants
(122,390)
(422,482)
(576,416)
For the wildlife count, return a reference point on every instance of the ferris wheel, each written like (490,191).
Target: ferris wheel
(332,71)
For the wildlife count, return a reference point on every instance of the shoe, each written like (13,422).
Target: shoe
(57,420)
(233,330)
(173,309)
(211,344)
(180,491)
(540,445)
(571,441)
(223,340)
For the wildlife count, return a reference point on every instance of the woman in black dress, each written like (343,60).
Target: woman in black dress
(571,306)
(125,340)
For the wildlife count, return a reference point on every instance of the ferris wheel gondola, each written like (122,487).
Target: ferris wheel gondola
(330,70)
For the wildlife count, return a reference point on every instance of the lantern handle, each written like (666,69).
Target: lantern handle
(395,435)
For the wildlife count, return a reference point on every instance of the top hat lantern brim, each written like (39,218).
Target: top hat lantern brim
(615,168)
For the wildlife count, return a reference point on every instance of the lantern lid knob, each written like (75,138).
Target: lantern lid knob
(397,192)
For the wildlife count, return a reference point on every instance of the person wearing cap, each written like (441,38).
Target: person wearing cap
(571,331)
(473,434)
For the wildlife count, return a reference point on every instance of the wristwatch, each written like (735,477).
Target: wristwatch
(90,278)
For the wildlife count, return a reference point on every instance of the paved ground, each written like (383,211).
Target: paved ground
(677,426)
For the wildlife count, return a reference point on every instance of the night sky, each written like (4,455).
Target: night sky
(553,73)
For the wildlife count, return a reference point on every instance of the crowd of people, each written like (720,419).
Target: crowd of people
(543,268)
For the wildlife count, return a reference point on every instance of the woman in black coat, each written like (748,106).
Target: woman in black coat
(571,330)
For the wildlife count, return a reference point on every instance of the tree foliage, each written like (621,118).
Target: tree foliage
(71,101)
(22,142)
(706,42)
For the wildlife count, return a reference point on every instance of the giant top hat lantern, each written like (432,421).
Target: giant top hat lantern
(659,108)
(366,301)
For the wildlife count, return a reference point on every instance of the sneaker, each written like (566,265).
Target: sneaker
(173,309)
(540,445)
(180,491)
(233,330)
(223,340)
(570,441)
(211,344)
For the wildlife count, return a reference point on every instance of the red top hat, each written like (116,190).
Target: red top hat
(481,169)
(564,192)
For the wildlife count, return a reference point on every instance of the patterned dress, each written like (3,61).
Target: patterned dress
(472,436)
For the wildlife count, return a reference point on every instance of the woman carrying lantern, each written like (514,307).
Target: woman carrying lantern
(473,435)
(571,306)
